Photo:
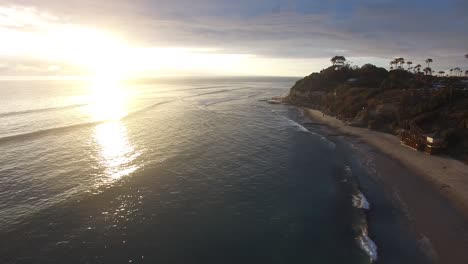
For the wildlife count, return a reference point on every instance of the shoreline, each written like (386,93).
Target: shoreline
(431,190)
(449,175)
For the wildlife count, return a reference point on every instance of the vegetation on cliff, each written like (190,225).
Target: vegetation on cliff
(390,101)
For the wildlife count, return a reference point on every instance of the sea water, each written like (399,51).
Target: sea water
(193,170)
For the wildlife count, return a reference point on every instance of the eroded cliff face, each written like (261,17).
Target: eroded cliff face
(307,98)
(355,110)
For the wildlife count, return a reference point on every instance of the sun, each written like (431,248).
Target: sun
(109,99)
(106,60)
(98,53)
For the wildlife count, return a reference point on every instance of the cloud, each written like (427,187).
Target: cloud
(285,30)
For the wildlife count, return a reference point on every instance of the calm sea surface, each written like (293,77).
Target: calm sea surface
(171,171)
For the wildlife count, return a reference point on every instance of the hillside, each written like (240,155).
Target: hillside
(390,101)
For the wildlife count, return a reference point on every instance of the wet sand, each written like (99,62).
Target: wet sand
(432,191)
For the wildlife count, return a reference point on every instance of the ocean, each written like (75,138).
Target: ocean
(194,170)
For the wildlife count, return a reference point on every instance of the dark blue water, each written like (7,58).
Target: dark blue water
(194,171)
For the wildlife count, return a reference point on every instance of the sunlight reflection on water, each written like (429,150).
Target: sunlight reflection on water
(108,102)
(116,151)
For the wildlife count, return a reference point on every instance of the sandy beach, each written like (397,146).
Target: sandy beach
(432,189)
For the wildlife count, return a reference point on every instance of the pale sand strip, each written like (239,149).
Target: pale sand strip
(449,176)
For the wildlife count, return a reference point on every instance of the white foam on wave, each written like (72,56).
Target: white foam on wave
(301,128)
(360,201)
(366,244)
(331,144)
(297,126)
(427,247)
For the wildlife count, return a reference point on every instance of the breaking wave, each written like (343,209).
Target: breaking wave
(366,244)
(360,201)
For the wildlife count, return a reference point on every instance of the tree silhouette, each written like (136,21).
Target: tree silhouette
(428,71)
(428,62)
(400,62)
(451,72)
(338,61)
(418,68)
(394,64)
(441,73)
(409,65)
(466,55)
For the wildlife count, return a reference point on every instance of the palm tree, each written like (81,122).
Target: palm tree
(457,71)
(396,62)
(401,62)
(418,68)
(428,71)
(429,61)
(409,65)
(441,73)
(451,72)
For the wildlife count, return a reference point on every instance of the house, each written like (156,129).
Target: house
(412,138)
(434,143)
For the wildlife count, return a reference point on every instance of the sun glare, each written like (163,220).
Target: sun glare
(68,49)
(108,99)
(75,49)
(97,52)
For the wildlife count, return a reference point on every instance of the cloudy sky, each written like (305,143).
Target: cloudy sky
(225,37)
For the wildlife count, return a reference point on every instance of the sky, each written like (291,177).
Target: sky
(134,38)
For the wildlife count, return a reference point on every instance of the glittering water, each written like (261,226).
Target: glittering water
(170,171)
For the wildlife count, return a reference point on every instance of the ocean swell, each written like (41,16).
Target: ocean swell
(45,131)
(40,110)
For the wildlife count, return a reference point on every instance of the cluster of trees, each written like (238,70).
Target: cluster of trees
(399,64)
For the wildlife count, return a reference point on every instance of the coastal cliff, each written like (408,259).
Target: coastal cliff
(390,101)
